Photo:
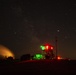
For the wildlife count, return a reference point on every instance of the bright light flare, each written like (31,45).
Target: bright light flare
(46,47)
(5,52)
(59,58)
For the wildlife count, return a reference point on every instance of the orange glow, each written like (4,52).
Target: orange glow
(59,58)
(5,52)
(47,47)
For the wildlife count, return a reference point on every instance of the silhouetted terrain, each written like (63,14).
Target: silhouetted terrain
(36,67)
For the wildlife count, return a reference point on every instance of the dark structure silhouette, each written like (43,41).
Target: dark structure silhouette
(49,54)
(25,57)
(10,58)
(48,51)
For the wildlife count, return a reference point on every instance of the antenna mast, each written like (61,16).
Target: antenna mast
(56,41)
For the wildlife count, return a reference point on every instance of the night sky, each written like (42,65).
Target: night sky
(25,25)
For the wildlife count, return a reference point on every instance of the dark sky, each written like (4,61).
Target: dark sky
(25,25)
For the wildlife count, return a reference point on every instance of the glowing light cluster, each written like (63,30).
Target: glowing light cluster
(46,47)
(38,56)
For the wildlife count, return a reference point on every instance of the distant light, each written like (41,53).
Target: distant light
(58,30)
(38,56)
(42,47)
(59,57)
(51,47)
(47,47)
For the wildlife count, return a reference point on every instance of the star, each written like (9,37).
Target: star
(58,30)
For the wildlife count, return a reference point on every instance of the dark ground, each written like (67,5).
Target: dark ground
(36,67)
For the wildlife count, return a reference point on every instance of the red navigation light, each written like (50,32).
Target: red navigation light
(47,47)
(59,58)
(51,47)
